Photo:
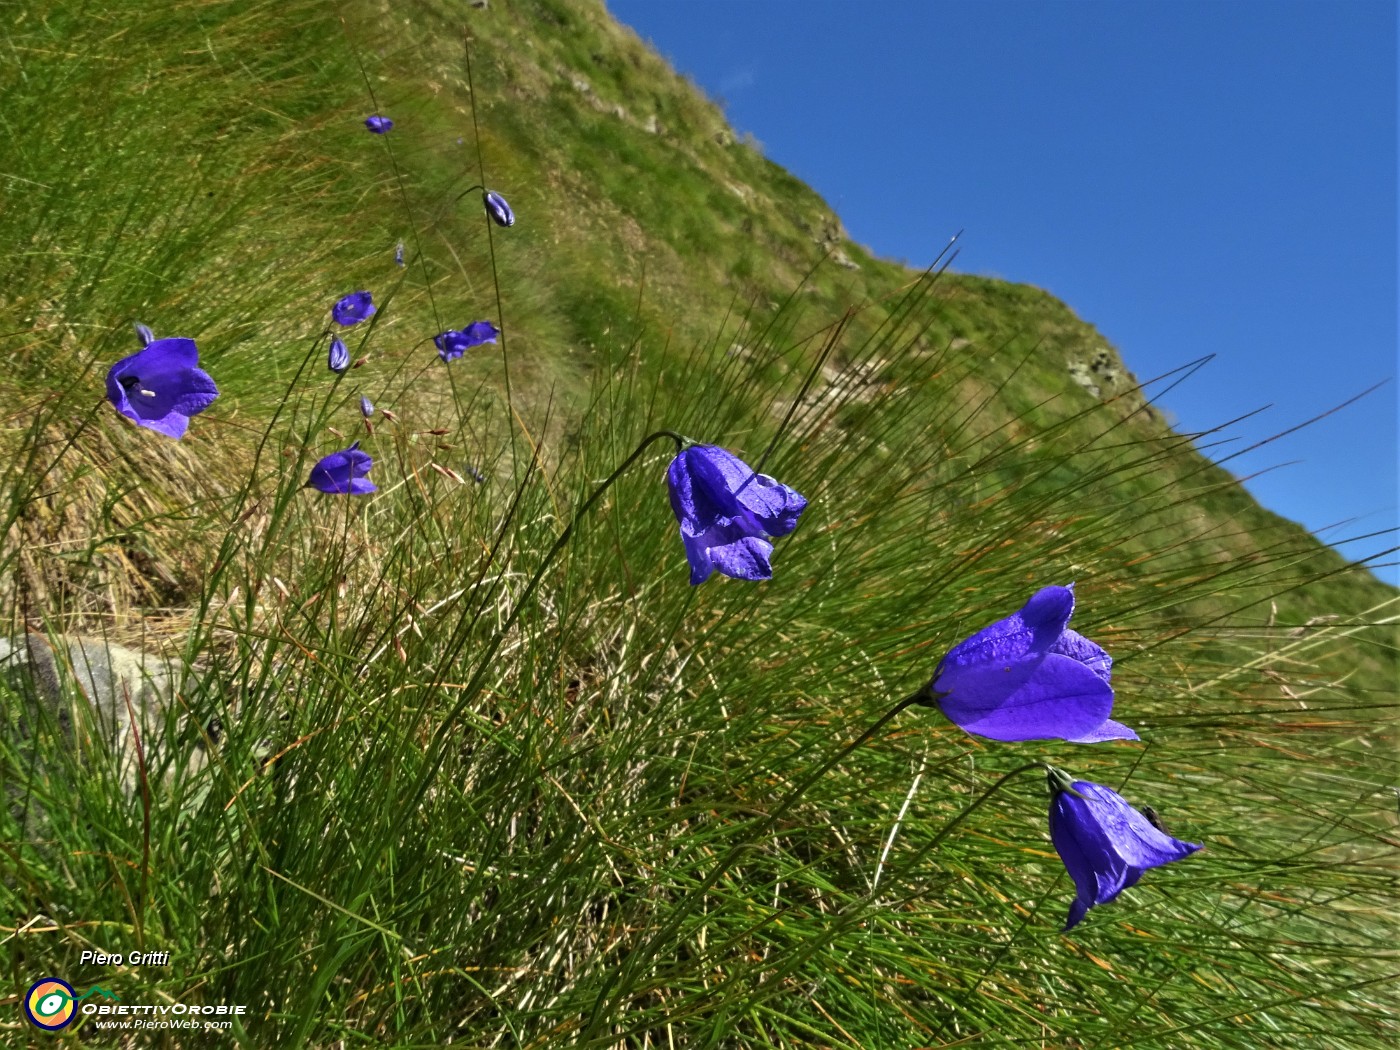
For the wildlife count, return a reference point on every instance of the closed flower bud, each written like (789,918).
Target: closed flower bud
(498,209)
(338,359)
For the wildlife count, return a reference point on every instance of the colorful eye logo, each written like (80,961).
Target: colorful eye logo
(49,1004)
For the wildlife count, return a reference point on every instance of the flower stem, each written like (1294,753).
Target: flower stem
(973,806)
(469,189)
(484,663)
(688,902)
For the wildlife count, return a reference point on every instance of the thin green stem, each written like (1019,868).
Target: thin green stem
(688,902)
(484,664)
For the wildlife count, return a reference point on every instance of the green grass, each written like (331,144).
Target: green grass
(528,800)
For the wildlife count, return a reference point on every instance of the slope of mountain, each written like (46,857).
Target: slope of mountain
(649,220)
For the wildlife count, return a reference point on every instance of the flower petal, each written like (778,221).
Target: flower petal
(1048,697)
(159,387)
(1135,839)
(1092,655)
(1047,614)
(1099,874)
(160,357)
(1033,629)
(172,424)
(698,491)
(746,558)
(343,472)
(1110,730)
(697,553)
(479,332)
(353,308)
(1105,843)
(775,506)
(727,513)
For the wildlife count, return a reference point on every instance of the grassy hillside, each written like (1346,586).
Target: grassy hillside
(529,787)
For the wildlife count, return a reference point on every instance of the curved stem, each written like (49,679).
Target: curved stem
(972,807)
(468,694)
(688,902)
(847,918)
(469,189)
(495,275)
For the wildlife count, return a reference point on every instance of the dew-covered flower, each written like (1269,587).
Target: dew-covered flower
(161,386)
(377,124)
(144,333)
(338,360)
(353,308)
(366,406)
(343,472)
(498,209)
(1104,842)
(1029,677)
(453,343)
(728,512)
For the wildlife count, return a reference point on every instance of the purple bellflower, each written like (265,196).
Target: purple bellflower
(728,512)
(144,333)
(161,386)
(338,360)
(343,472)
(498,209)
(1029,677)
(378,125)
(1104,842)
(366,406)
(352,309)
(398,254)
(452,343)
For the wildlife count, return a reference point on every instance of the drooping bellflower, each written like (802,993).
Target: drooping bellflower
(161,386)
(1029,677)
(728,512)
(1104,842)
(343,472)
(338,360)
(353,308)
(453,343)
(366,406)
(377,124)
(498,209)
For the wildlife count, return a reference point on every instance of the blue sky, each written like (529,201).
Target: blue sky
(1191,177)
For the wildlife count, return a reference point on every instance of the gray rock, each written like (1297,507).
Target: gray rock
(110,699)
(1082,374)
